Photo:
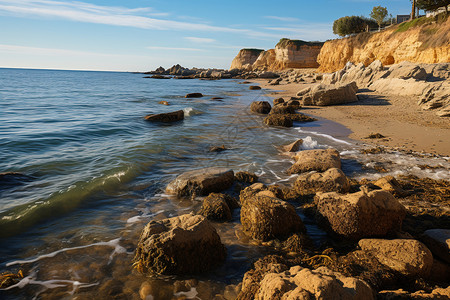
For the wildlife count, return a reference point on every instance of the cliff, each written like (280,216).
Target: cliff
(421,41)
(288,54)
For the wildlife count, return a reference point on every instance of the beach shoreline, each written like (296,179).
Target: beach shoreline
(400,120)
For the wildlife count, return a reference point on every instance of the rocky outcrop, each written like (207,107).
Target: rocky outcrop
(166,117)
(278,120)
(218,207)
(429,43)
(409,257)
(265,218)
(362,214)
(303,283)
(324,95)
(260,107)
(245,59)
(181,245)
(201,182)
(293,147)
(332,180)
(288,54)
(427,85)
(315,160)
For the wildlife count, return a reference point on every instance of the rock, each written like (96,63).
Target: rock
(281,109)
(332,180)
(324,95)
(375,136)
(163,102)
(406,70)
(245,59)
(300,117)
(268,75)
(409,257)
(194,95)
(159,77)
(246,177)
(216,98)
(315,160)
(294,103)
(436,294)
(185,244)
(265,218)
(390,184)
(260,107)
(166,117)
(360,215)
(304,283)
(278,120)
(254,87)
(217,207)
(293,147)
(217,148)
(438,241)
(201,182)
(278,101)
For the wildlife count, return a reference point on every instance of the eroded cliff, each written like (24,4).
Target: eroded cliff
(288,54)
(422,43)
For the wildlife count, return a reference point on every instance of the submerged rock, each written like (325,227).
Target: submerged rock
(409,257)
(201,182)
(332,180)
(185,244)
(194,95)
(264,218)
(360,215)
(163,102)
(254,87)
(166,117)
(315,160)
(260,107)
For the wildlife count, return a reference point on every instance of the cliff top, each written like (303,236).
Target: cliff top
(284,43)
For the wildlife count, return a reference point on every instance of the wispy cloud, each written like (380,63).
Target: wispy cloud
(173,48)
(199,40)
(110,15)
(283,19)
(319,31)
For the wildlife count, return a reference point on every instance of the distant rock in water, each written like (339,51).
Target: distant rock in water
(163,102)
(166,117)
(254,87)
(194,95)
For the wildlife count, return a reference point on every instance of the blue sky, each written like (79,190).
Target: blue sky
(141,35)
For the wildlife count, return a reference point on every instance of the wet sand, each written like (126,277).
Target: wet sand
(399,119)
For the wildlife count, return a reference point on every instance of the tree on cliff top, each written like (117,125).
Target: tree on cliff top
(379,13)
(349,25)
(432,5)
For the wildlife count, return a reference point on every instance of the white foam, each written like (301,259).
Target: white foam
(113,243)
(189,111)
(325,136)
(309,143)
(349,152)
(136,219)
(192,294)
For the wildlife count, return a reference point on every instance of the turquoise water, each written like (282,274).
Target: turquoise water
(94,171)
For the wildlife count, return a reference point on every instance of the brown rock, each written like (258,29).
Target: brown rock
(390,184)
(278,101)
(254,87)
(215,207)
(278,120)
(166,117)
(247,177)
(260,107)
(315,160)
(303,283)
(264,218)
(194,95)
(436,294)
(361,214)
(438,241)
(293,147)
(217,148)
(409,257)
(163,102)
(324,95)
(201,182)
(181,245)
(332,180)
(281,109)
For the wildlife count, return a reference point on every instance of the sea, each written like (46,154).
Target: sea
(90,173)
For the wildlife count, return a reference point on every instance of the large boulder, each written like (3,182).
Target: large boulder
(315,160)
(324,95)
(181,245)
(304,283)
(260,107)
(166,117)
(362,214)
(409,257)
(332,180)
(265,218)
(438,241)
(201,182)
(293,147)
(282,109)
(279,120)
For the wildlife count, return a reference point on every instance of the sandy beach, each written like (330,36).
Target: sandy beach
(400,120)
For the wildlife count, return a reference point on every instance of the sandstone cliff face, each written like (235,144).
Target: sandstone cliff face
(288,54)
(428,43)
(245,58)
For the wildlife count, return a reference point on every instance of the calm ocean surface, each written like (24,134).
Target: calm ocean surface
(93,173)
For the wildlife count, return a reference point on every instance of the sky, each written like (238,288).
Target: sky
(141,35)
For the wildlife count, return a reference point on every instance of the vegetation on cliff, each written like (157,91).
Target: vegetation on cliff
(284,43)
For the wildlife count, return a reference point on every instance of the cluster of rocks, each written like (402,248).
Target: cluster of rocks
(427,83)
